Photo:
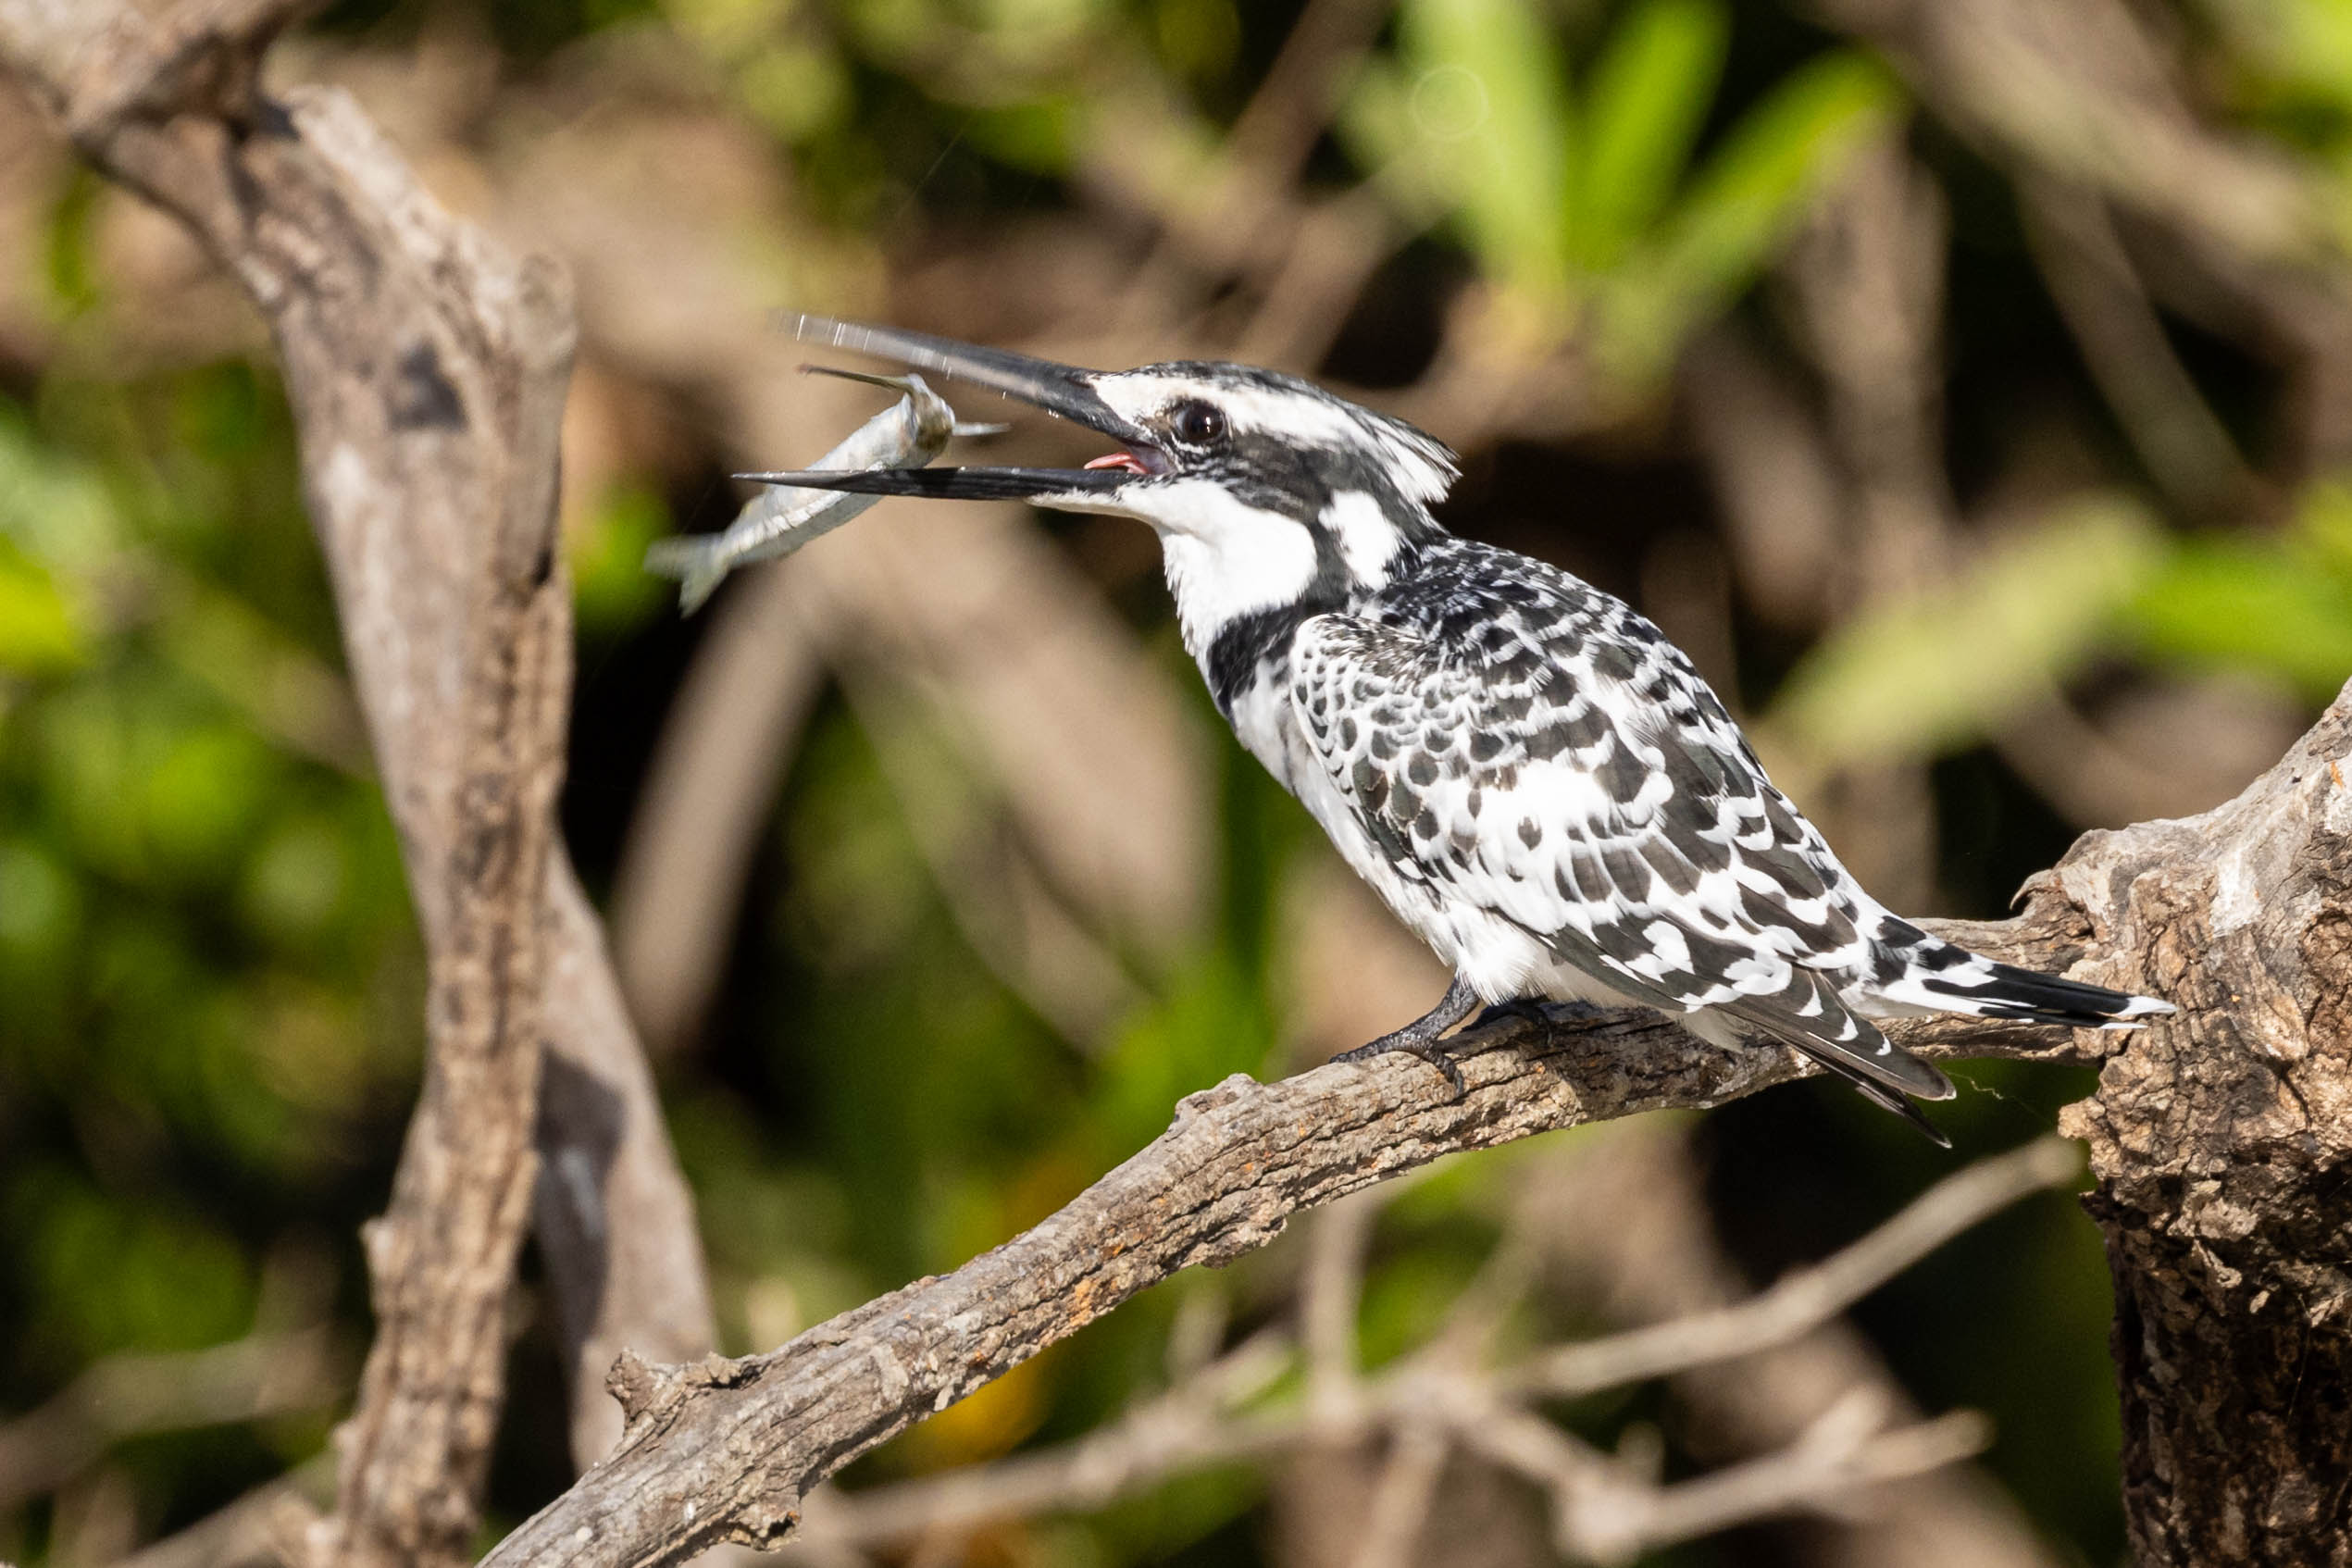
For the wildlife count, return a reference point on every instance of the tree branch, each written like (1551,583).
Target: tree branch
(128,1395)
(426,368)
(1804,1301)
(1200,1420)
(727,1449)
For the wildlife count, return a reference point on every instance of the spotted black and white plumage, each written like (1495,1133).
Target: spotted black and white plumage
(1526,771)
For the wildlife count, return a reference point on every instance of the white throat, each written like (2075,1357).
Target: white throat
(1225,560)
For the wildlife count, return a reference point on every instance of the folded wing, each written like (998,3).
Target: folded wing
(1593,792)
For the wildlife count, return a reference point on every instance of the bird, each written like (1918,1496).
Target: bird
(1532,777)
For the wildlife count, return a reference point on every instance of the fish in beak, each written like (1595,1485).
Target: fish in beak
(1064,390)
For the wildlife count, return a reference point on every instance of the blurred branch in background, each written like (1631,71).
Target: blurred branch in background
(2079,94)
(2091,278)
(1661,1261)
(2080,90)
(267,1525)
(292,1363)
(724,746)
(1866,284)
(1451,1394)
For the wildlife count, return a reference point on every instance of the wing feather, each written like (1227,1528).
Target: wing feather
(1606,806)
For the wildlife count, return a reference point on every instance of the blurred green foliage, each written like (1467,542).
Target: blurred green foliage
(1586,209)
(1918,677)
(206,948)
(2281,603)
(208,971)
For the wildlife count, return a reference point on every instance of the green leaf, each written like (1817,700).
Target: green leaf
(1375,123)
(1645,101)
(55,509)
(1744,203)
(1039,135)
(40,901)
(204,795)
(2281,604)
(1487,101)
(1932,673)
(2231,604)
(611,591)
(1208,1023)
(2323,531)
(1781,152)
(797,93)
(38,632)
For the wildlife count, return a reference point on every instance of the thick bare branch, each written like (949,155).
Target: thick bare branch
(426,368)
(1201,1421)
(614,1218)
(2220,1148)
(726,1450)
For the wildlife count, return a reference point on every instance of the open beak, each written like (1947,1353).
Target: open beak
(1064,391)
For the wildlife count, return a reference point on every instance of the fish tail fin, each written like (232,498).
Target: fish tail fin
(694,562)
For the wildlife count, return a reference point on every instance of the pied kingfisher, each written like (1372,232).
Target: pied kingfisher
(1527,772)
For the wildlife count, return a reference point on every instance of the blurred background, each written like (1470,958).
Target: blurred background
(1965,384)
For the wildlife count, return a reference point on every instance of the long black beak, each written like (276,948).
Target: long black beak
(957,484)
(1064,391)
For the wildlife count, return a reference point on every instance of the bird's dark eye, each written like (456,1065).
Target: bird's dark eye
(1198,424)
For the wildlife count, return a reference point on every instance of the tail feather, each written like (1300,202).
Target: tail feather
(1916,972)
(2012,992)
(1878,1093)
(1809,1016)
(1911,972)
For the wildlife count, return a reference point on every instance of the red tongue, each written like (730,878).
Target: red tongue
(1124,460)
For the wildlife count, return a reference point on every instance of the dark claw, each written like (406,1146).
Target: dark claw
(1422,1036)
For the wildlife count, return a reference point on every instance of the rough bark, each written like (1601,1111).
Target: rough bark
(427,369)
(2220,1144)
(612,1214)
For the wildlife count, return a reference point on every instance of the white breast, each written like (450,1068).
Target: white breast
(1498,957)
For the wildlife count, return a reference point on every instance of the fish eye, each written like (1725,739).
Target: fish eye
(1197,423)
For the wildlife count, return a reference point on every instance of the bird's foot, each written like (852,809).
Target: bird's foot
(1429,1048)
(1422,1036)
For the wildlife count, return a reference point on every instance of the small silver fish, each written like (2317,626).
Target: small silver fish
(781,519)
